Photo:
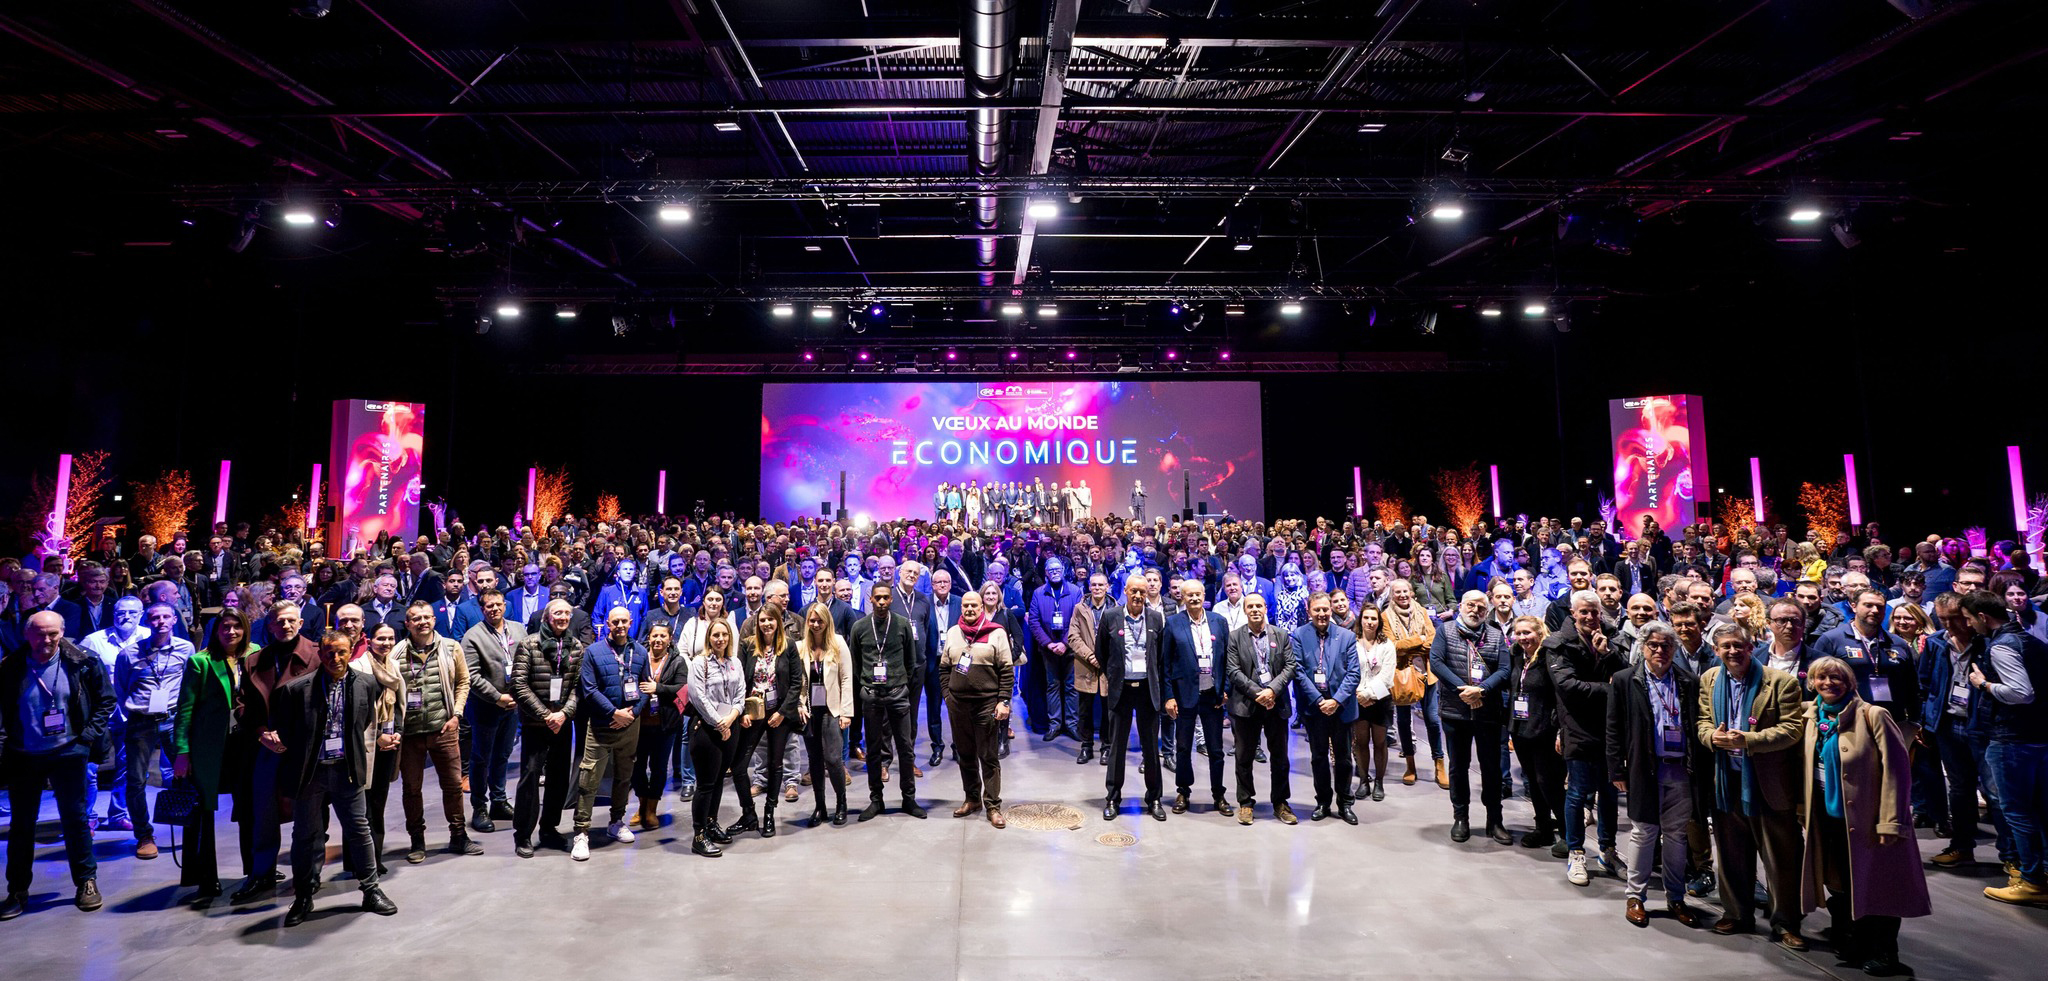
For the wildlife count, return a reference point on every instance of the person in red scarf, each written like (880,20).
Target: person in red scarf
(977,675)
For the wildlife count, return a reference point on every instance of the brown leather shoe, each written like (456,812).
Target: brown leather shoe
(1684,915)
(1729,926)
(1791,940)
(1443,778)
(145,850)
(88,898)
(1408,779)
(995,817)
(1180,803)
(967,808)
(1285,814)
(1637,915)
(1244,816)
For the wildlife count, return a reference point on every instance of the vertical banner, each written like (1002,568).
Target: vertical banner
(377,448)
(1660,457)
(220,497)
(313,505)
(1855,499)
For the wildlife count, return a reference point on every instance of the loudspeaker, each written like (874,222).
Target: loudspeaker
(1202,508)
(824,509)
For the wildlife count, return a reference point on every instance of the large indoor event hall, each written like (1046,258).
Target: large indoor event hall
(1105,490)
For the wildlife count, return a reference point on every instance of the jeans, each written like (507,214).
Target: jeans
(117,791)
(1062,704)
(1583,779)
(1430,721)
(685,769)
(330,785)
(2021,772)
(491,730)
(1961,760)
(145,739)
(64,771)
(1674,813)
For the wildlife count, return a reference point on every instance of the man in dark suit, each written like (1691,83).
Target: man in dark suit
(384,605)
(42,595)
(1326,689)
(1129,646)
(944,612)
(916,610)
(884,661)
(219,570)
(1261,666)
(324,721)
(1195,649)
(426,583)
(95,601)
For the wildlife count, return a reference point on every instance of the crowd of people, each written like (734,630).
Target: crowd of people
(1779,716)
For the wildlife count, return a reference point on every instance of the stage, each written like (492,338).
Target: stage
(1197,896)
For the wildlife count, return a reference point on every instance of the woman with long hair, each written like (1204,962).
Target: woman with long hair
(1434,589)
(718,695)
(1532,726)
(993,609)
(667,672)
(379,666)
(697,630)
(826,708)
(774,681)
(1375,704)
(214,753)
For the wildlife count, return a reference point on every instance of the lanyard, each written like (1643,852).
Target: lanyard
(37,673)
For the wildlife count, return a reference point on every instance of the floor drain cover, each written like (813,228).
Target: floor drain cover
(1043,817)
(1116,839)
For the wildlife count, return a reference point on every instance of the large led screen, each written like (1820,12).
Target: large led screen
(899,442)
(375,468)
(1660,461)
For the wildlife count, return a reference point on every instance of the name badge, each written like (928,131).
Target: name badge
(963,664)
(817,694)
(881,671)
(1058,620)
(1322,679)
(1265,676)
(1735,754)
(1204,661)
(415,699)
(554,689)
(1880,689)
(330,749)
(159,700)
(53,722)
(1959,698)
(1476,668)
(1521,706)
(632,689)
(1674,744)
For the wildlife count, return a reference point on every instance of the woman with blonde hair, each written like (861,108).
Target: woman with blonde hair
(1532,728)
(1750,612)
(718,695)
(1859,822)
(826,708)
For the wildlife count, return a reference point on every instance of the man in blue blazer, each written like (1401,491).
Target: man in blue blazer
(1196,642)
(1128,644)
(1248,574)
(1326,691)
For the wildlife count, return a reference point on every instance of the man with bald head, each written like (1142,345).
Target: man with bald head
(58,702)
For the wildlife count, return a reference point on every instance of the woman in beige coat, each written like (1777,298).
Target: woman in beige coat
(1859,822)
(826,709)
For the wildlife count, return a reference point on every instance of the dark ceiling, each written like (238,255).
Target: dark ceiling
(469,150)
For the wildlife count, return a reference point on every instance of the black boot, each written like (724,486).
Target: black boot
(839,812)
(768,820)
(1379,790)
(702,844)
(819,815)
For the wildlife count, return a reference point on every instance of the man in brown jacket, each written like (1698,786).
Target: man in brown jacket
(1413,631)
(1752,718)
(1088,683)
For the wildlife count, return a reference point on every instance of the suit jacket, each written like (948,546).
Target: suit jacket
(1633,740)
(85,622)
(1770,745)
(916,608)
(261,680)
(1241,664)
(298,713)
(429,587)
(1110,651)
(1183,657)
(933,635)
(394,616)
(489,661)
(1335,656)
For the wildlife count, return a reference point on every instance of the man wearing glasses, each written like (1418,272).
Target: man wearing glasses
(1787,649)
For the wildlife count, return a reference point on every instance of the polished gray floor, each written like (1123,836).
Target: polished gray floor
(1197,896)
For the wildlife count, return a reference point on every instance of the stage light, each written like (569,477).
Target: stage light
(1909,490)
(726,125)
(565,312)
(1048,310)
(312,9)
(1013,354)
(863,357)
(876,310)
(1176,308)
(821,311)
(483,324)
(1589,480)
(810,356)
(1242,228)
(952,355)
(1042,209)
(814,248)
(675,213)
(117,497)
(1233,309)
(783,310)
(1013,309)
(1291,308)
(1447,211)
(1372,127)
(1535,308)
(299,214)
(1490,310)
(1241,247)
(1070,354)
(1172,355)
(508,309)
(1223,355)
(1804,212)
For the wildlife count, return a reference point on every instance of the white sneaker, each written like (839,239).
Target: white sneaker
(620,833)
(579,849)
(1574,869)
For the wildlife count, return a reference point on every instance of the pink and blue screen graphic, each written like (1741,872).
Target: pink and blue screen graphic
(897,442)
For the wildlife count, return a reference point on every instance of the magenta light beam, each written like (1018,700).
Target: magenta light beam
(1358,492)
(313,505)
(661,493)
(1855,506)
(220,497)
(61,504)
(2019,489)
(1756,488)
(1494,472)
(532,478)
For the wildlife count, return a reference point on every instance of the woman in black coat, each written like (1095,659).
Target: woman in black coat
(1532,727)
(667,672)
(775,676)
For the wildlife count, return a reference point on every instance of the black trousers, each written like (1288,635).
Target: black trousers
(977,735)
(202,859)
(550,753)
(891,717)
(330,785)
(1207,712)
(1272,724)
(650,763)
(714,758)
(934,697)
(1086,702)
(376,795)
(1329,746)
(751,738)
(1543,768)
(1133,707)
(821,748)
(1466,740)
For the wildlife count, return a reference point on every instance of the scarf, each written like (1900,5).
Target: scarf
(1730,794)
(392,683)
(978,631)
(1827,725)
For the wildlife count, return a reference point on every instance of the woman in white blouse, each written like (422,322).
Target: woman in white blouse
(1375,704)
(696,630)
(718,690)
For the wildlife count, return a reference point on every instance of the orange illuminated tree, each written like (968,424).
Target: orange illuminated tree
(550,498)
(1462,495)
(1387,505)
(163,507)
(1739,513)
(608,508)
(90,478)
(293,514)
(1826,506)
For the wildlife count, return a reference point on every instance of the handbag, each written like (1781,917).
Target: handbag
(176,802)
(756,708)
(1408,686)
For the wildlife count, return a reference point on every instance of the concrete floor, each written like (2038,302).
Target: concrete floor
(1196,897)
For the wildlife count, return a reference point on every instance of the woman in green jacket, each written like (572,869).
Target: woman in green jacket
(212,750)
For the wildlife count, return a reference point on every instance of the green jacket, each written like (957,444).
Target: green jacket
(206,704)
